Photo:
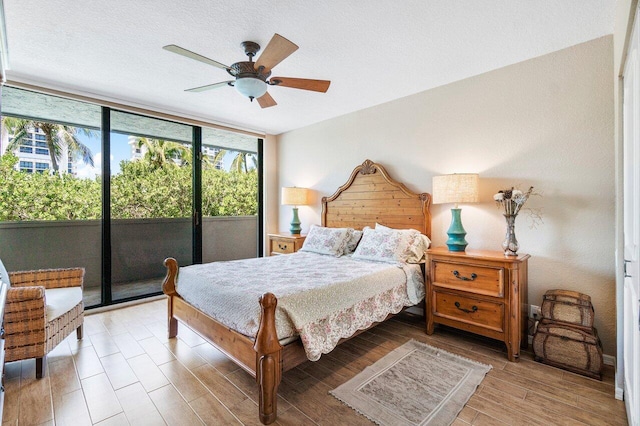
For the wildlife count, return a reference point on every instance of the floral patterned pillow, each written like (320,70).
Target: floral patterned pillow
(381,246)
(353,242)
(416,250)
(330,241)
(384,244)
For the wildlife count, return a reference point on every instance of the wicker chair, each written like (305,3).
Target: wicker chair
(43,307)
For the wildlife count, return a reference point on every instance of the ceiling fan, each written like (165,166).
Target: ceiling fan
(252,78)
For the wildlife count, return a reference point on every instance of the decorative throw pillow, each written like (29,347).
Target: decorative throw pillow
(353,242)
(416,248)
(383,246)
(324,240)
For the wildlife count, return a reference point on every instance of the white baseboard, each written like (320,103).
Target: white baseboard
(619,393)
(609,360)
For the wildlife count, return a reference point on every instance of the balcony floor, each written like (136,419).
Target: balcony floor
(92,295)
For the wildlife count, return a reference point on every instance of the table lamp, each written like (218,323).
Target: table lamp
(455,188)
(293,196)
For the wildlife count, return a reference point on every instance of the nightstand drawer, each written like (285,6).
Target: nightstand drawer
(458,307)
(285,243)
(282,246)
(470,278)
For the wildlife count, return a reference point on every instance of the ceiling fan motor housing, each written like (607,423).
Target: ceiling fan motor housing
(246,69)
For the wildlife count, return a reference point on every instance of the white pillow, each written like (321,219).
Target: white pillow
(324,240)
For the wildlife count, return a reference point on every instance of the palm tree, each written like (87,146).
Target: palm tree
(240,161)
(160,153)
(57,137)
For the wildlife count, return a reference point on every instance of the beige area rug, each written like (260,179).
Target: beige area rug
(415,384)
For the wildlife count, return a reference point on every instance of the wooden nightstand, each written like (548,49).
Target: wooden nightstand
(285,243)
(481,291)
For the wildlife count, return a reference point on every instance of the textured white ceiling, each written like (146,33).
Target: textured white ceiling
(373,51)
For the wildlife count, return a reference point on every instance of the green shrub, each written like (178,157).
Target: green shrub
(141,190)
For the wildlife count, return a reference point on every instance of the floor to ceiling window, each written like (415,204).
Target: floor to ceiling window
(117,193)
(50,184)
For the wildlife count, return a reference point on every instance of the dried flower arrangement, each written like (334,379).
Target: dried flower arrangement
(512,200)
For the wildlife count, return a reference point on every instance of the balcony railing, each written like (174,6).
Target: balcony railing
(138,248)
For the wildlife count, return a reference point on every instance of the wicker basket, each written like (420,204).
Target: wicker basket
(568,307)
(571,348)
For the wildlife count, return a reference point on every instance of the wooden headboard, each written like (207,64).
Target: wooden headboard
(371,195)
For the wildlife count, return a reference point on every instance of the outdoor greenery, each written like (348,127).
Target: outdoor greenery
(143,189)
(159,152)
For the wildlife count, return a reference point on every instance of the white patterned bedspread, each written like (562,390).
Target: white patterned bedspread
(321,298)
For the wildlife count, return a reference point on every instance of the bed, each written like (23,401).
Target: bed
(369,197)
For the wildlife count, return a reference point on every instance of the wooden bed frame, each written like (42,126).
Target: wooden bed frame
(370,196)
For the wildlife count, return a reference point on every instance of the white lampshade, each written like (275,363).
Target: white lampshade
(250,87)
(294,196)
(455,188)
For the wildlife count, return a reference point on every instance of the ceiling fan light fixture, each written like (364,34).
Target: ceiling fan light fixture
(251,87)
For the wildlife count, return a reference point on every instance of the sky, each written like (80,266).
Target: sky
(120,150)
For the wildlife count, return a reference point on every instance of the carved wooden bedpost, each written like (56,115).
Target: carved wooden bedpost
(268,360)
(169,288)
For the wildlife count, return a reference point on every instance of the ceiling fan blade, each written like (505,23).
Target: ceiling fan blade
(266,101)
(275,52)
(189,54)
(302,83)
(209,86)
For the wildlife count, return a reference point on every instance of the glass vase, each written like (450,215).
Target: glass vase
(510,244)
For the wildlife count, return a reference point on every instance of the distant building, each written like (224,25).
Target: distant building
(33,154)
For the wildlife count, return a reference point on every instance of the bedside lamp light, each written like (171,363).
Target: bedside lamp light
(455,188)
(293,196)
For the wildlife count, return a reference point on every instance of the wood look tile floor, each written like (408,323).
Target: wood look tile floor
(126,371)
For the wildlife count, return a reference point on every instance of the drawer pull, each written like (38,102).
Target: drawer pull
(282,246)
(460,277)
(474,308)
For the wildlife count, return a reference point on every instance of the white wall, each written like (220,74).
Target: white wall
(545,122)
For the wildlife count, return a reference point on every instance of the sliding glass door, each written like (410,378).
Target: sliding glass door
(150,201)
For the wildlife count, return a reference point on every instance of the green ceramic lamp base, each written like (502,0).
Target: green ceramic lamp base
(456,233)
(295,222)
